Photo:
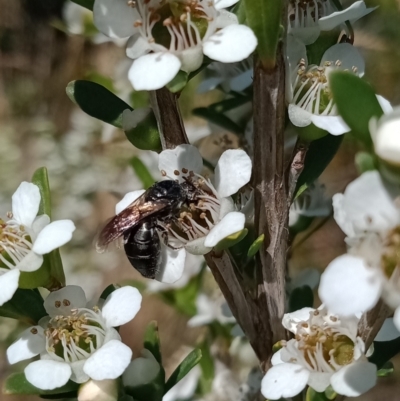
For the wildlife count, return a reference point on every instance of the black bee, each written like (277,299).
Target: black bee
(139,224)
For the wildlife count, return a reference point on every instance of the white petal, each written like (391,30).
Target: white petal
(121,306)
(335,125)
(354,12)
(354,379)
(185,388)
(225,18)
(366,205)
(127,200)
(131,118)
(387,138)
(98,390)
(232,223)
(62,301)
(233,171)
(200,320)
(109,362)
(39,224)
(283,381)
(385,104)
(182,157)
(142,370)
(47,374)
(78,375)
(298,116)
(114,18)
(290,320)
(396,318)
(218,4)
(25,203)
(31,262)
(277,358)
(319,381)
(347,54)
(53,236)
(307,35)
(197,247)
(173,263)
(191,58)
(348,286)
(153,71)
(388,331)
(230,44)
(8,284)
(137,46)
(31,343)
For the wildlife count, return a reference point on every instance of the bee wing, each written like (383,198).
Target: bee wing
(128,218)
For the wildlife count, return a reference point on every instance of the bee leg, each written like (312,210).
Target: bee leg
(164,235)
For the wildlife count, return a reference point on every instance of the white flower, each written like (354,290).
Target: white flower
(98,390)
(368,214)
(385,134)
(309,96)
(211,217)
(168,36)
(308,18)
(211,310)
(76,342)
(325,351)
(26,237)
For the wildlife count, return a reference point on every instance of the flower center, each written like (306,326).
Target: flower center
(311,88)
(76,336)
(390,258)
(15,242)
(305,13)
(174,25)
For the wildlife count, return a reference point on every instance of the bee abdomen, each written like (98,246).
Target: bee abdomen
(142,247)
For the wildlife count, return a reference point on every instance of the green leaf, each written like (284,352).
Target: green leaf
(142,172)
(301,297)
(356,102)
(145,135)
(386,370)
(207,368)
(219,119)
(384,351)
(152,341)
(17,384)
(312,395)
(365,162)
(231,240)
(319,155)
(229,104)
(183,369)
(255,246)
(85,3)
(25,305)
(325,40)
(41,179)
(126,397)
(108,290)
(264,18)
(179,82)
(97,101)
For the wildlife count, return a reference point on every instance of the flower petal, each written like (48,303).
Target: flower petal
(230,224)
(366,205)
(352,13)
(8,284)
(230,44)
(298,116)
(388,331)
(25,203)
(348,286)
(142,370)
(153,71)
(283,381)
(354,379)
(218,4)
(109,362)
(114,18)
(335,125)
(131,118)
(348,56)
(173,263)
(53,236)
(290,320)
(319,381)
(225,18)
(30,263)
(47,374)
(31,343)
(127,200)
(307,34)
(98,390)
(121,306)
(233,171)
(78,375)
(38,225)
(62,301)
(137,46)
(197,247)
(276,358)
(396,318)
(172,161)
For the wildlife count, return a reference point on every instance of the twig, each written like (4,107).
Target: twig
(296,167)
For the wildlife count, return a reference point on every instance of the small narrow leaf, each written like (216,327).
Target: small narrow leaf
(356,102)
(207,368)
(108,290)
(41,179)
(219,119)
(255,246)
(152,341)
(301,297)
(142,172)
(179,82)
(229,104)
(183,369)
(365,162)
(85,3)
(312,395)
(231,240)
(97,101)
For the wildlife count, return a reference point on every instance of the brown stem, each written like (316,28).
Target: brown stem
(166,109)
(296,167)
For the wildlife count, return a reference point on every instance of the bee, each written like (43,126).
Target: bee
(140,224)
